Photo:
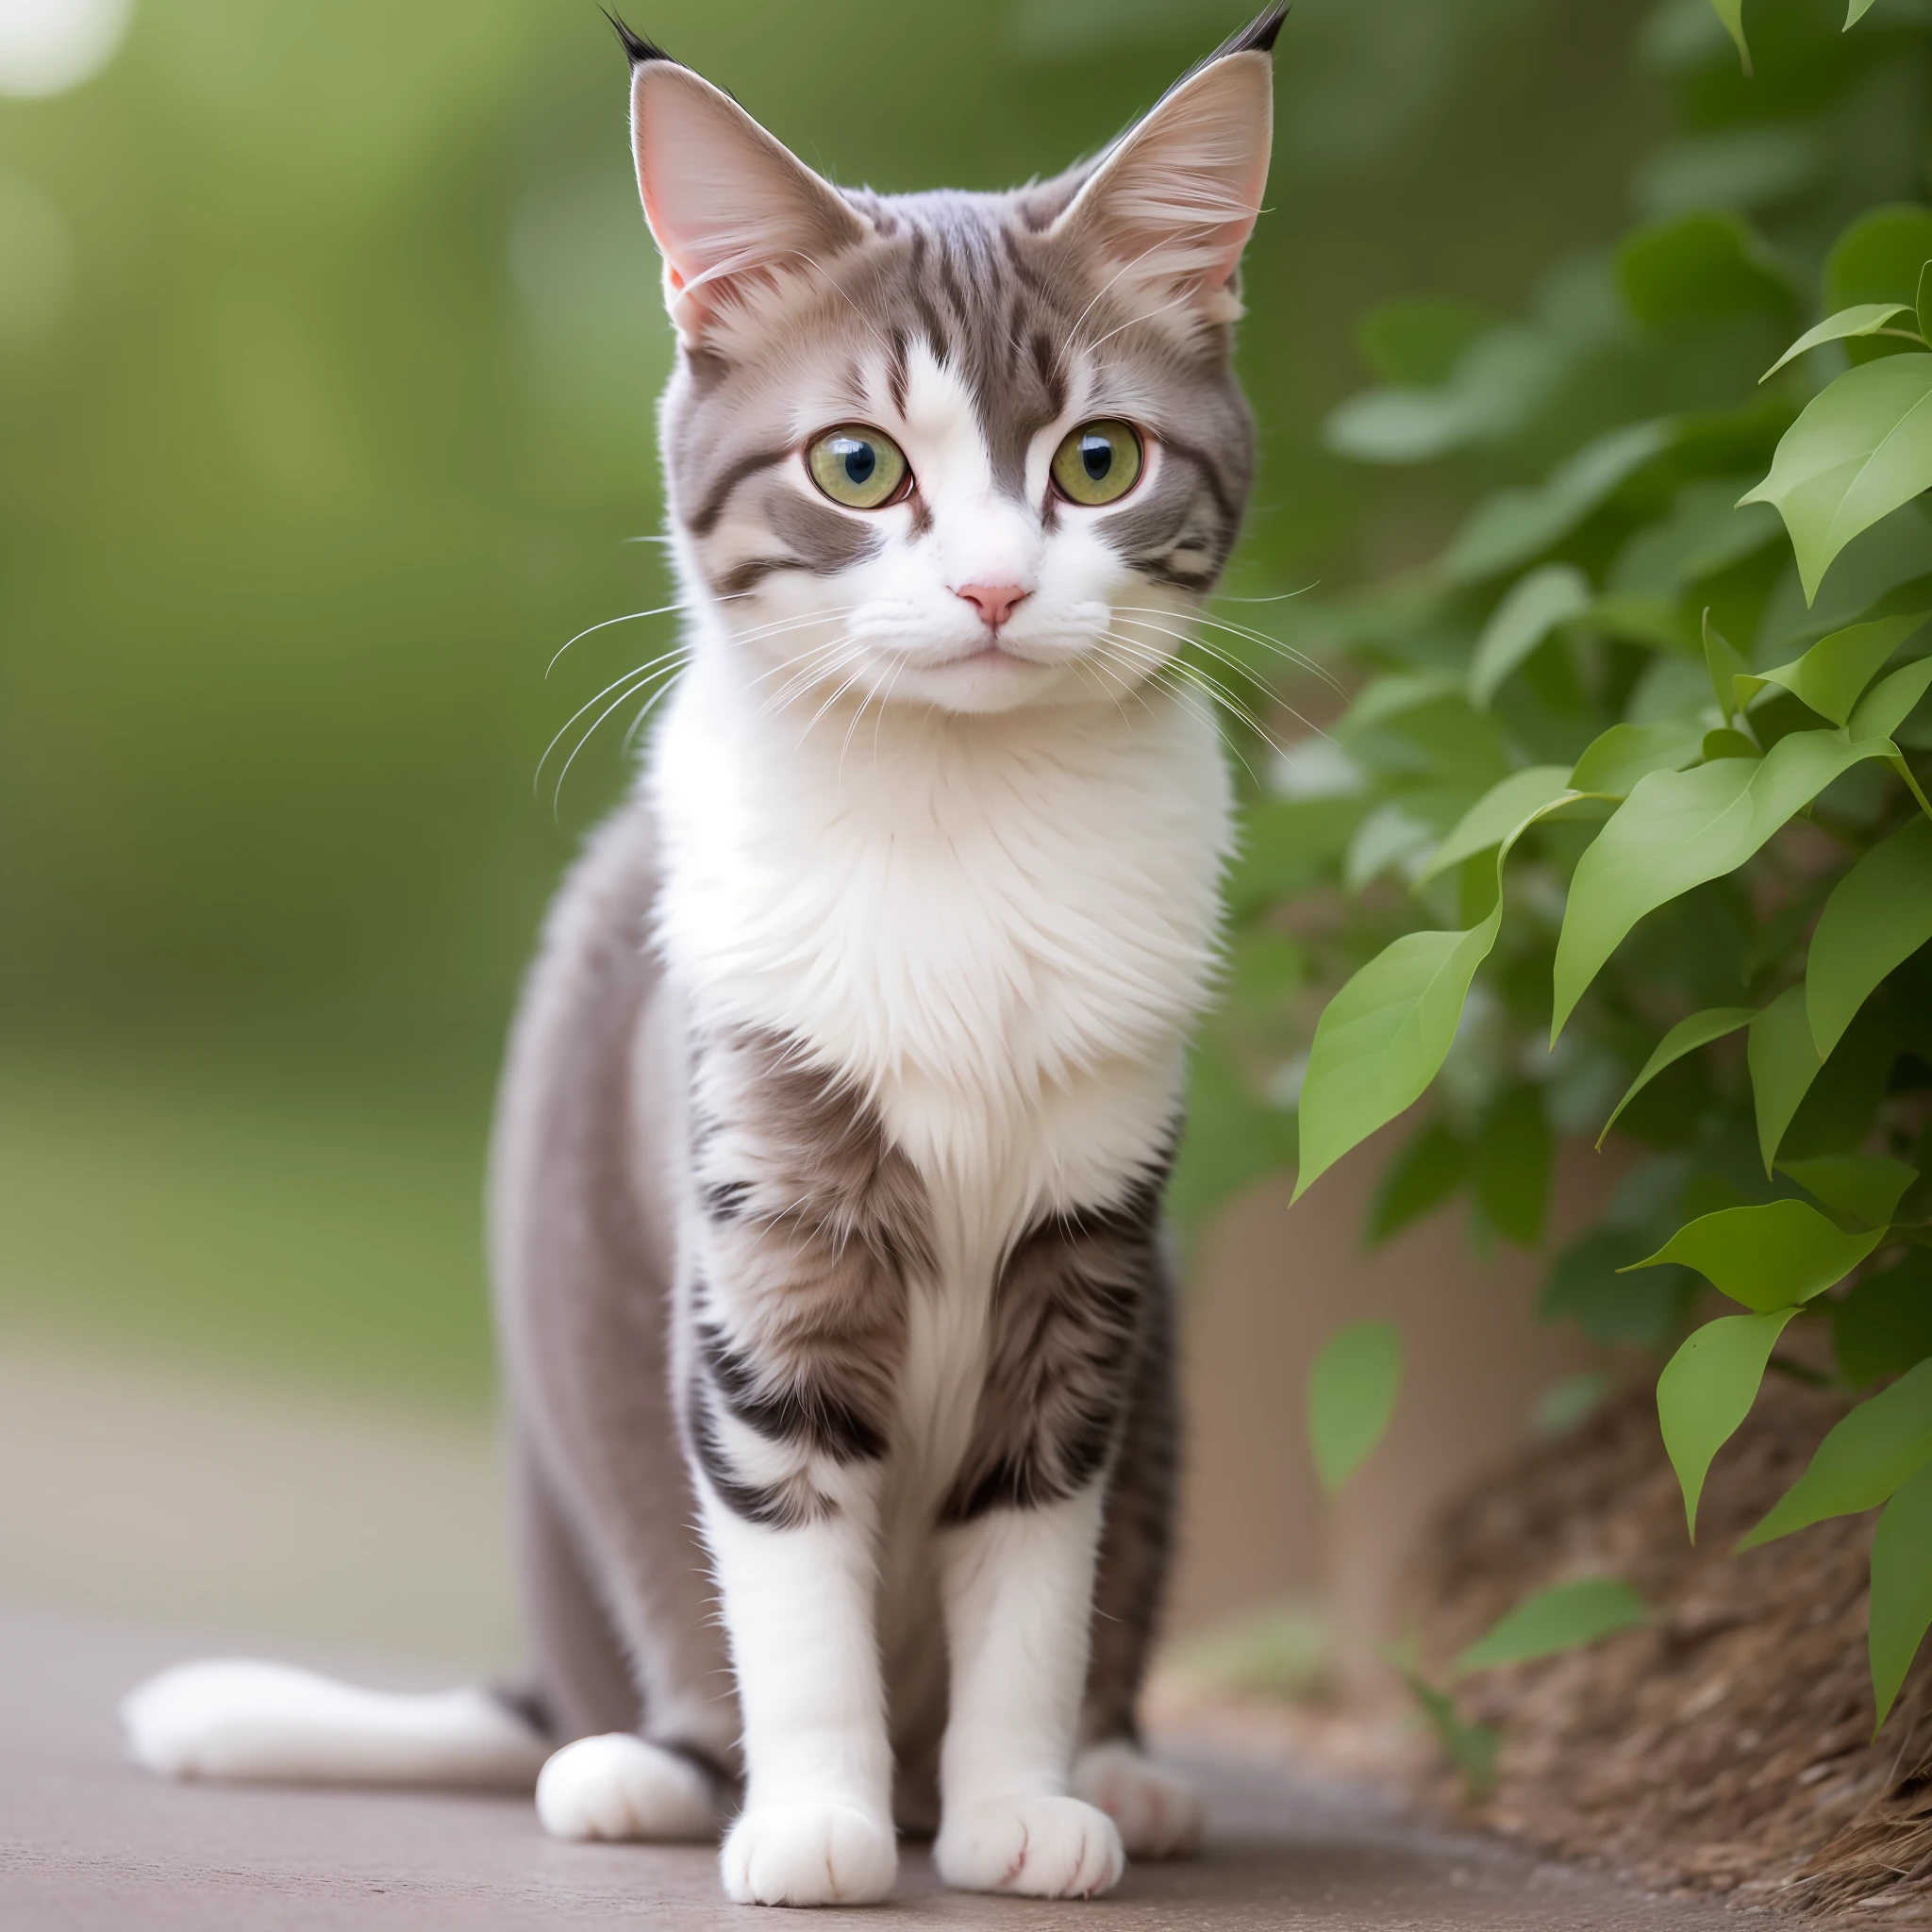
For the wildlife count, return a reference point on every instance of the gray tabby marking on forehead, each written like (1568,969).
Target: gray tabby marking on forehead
(1120,272)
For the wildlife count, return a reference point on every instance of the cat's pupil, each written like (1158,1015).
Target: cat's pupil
(1097,456)
(861,460)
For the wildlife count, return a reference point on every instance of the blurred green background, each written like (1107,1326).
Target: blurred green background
(328,347)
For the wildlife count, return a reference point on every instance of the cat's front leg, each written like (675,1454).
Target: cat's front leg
(1068,1326)
(806,1219)
(798,1603)
(1019,1590)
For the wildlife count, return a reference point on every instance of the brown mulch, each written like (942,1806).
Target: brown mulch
(1726,1747)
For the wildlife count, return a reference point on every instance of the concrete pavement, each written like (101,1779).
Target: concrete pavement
(87,1844)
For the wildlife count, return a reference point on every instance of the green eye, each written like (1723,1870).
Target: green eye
(1098,464)
(861,468)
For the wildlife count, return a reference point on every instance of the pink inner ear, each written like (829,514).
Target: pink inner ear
(1176,200)
(728,206)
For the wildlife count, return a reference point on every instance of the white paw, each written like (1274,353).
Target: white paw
(618,1787)
(1158,1811)
(1046,1847)
(810,1855)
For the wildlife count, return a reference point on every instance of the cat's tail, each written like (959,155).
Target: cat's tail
(264,1723)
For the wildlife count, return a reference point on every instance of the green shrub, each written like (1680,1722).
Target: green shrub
(1625,817)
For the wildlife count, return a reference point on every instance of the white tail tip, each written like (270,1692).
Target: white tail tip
(265,1722)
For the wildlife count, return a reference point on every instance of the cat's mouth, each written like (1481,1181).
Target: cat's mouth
(991,656)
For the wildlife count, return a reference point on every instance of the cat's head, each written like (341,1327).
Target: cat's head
(965,451)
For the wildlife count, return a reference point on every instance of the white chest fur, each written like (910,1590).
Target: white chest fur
(998,927)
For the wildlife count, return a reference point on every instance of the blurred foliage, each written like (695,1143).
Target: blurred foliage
(1632,768)
(328,352)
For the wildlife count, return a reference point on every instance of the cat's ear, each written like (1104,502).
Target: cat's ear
(731,208)
(1170,207)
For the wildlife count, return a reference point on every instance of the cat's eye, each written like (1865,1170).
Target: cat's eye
(1099,462)
(861,468)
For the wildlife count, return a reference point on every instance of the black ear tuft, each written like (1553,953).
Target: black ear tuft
(1258,36)
(634,43)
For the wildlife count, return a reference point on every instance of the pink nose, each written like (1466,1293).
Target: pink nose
(995,603)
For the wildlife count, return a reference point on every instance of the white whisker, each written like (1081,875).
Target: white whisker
(629,617)
(1235,665)
(630,677)
(644,711)
(1248,632)
(616,704)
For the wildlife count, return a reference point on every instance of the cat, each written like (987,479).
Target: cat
(833,1306)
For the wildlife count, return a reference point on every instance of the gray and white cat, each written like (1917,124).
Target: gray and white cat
(831,1151)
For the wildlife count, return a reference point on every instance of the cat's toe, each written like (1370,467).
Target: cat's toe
(1044,1847)
(810,1855)
(621,1787)
(1157,1810)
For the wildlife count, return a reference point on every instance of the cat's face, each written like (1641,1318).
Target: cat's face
(963,451)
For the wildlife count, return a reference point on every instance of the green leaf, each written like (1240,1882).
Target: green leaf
(1533,607)
(1862,319)
(1391,838)
(1883,1326)
(1878,259)
(1383,698)
(1922,302)
(1861,448)
(1418,340)
(1706,1389)
(1587,1286)
(1286,846)
(1427,1169)
(1497,813)
(1563,1617)
(1705,263)
(1732,13)
(1784,1062)
(1705,533)
(1878,915)
(1862,1188)
(1382,1038)
(1730,745)
(1687,1036)
(1509,1166)
(1901,1589)
(1891,701)
(1854,14)
(1723,660)
(1470,1747)
(1830,675)
(1516,526)
(1352,1388)
(1233,1138)
(1885,1440)
(1677,829)
(1841,1109)
(1626,753)
(1769,1257)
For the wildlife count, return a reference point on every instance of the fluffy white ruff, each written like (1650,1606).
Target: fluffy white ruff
(618,1787)
(272,1723)
(1000,929)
